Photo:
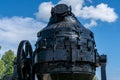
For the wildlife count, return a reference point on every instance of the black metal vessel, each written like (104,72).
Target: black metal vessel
(65,50)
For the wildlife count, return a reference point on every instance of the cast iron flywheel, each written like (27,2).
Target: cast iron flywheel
(24,60)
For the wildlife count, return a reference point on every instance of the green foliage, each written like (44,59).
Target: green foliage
(95,78)
(8,59)
(2,68)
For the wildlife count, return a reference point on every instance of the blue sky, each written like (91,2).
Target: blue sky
(21,20)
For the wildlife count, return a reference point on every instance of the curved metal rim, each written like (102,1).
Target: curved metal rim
(21,54)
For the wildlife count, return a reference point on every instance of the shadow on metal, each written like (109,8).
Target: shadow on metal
(65,50)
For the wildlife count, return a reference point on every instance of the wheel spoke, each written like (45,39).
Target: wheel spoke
(26,49)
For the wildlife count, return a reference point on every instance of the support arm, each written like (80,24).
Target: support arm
(103,61)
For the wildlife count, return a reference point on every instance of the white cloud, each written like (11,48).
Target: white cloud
(91,24)
(100,12)
(44,11)
(15,29)
(45,8)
